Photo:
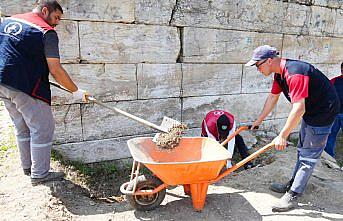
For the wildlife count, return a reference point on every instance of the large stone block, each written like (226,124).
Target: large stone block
(330,70)
(313,49)
(99,10)
(255,82)
(329,3)
(296,19)
(245,107)
(338,31)
(159,80)
(95,151)
(67,123)
(16,6)
(120,43)
(68,41)
(154,11)
(322,21)
(109,82)
(211,79)
(233,14)
(99,122)
(283,107)
(203,45)
(274,125)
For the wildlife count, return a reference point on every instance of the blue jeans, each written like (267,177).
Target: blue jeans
(312,141)
(331,144)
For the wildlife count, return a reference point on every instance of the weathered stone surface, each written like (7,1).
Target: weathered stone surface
(193,132)
(120,43)
(211,79)
(330,70)
(274,125)
(109,82)
(159,80)
(338,31)
(95,151)
(154,11)
(68,41)
(16,6)
(99,10)
(254,82)
(67,123)
(223,46)
(99,122)
(283,107)
(313,49)
(329,3)
(233,14)
(296,19)
(322,21)
(245,107)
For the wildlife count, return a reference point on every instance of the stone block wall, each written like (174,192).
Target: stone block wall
(177,58)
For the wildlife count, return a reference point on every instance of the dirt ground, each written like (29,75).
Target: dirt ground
(240,196)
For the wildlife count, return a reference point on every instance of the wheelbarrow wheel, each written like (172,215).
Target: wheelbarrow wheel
(146,202)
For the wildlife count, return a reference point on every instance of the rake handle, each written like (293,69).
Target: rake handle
(139,120)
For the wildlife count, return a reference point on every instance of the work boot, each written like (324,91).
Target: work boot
(287,202)
(27,171)
(52,176)
(281,188)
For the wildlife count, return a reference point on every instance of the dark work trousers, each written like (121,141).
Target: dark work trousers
(240,146)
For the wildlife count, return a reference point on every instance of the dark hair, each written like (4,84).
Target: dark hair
(52,5)
(342,65)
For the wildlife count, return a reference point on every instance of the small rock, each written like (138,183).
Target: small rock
(92,203)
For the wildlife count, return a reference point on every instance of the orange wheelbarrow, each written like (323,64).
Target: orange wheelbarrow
(195,163)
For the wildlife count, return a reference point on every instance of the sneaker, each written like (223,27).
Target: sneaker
(50,177)
(281,188)
(27,171)
(287,202)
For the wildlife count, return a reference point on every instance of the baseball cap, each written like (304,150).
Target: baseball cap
(261,53)
(223,126)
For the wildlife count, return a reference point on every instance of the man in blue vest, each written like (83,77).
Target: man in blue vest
(314,103)
(29,51)
(337,82)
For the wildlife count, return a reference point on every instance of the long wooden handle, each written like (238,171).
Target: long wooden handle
(244,161)
(139,120)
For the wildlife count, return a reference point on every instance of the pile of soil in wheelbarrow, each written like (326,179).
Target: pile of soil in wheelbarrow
(170,140)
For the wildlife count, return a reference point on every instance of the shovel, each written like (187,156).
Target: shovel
(167,123)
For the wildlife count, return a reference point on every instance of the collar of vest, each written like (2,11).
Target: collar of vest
(33,20)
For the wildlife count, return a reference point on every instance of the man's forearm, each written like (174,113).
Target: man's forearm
(60,75)
(63,79)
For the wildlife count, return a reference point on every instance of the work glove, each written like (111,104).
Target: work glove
(80,95)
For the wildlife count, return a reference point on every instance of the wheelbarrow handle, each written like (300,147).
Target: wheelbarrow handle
(139,120)
(244,161)
(240,129)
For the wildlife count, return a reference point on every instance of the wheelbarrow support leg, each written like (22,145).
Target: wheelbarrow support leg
(199,192)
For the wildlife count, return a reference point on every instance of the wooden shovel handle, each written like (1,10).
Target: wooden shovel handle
(139,120)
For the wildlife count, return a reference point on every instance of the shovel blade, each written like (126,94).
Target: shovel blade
(167,123)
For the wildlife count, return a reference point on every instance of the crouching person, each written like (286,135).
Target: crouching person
(219,124)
